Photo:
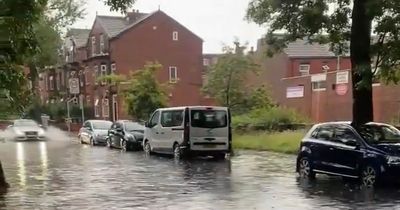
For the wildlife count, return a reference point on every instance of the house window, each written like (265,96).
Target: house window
(173,74)
(93,45)
(58,80)
(97,108)
(103,73)
(87,100)
(46,83)
(319,86)
(206,62)
(96,73)
(304,69)
(86,73)
(51,82)
(113,68)
(102,43)
(106,108)
(175,36)
(81,78)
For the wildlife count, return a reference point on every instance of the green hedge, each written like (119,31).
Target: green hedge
(269,119)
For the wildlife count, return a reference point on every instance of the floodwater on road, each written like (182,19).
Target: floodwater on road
(63,174)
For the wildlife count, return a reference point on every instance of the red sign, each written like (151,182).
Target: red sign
(341,89)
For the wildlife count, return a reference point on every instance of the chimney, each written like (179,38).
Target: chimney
(133,16)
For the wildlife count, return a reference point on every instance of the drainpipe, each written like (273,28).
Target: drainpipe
(3,183)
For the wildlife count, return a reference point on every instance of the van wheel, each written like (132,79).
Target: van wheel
(147,148)
(177,152)
(92,143)
(124,146)
(305,169)
(369,176)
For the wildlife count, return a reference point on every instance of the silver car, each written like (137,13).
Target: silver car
(24,129)
(94,132)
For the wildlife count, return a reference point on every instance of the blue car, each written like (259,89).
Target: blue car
(369,152)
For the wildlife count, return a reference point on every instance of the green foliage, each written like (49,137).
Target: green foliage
(145,94)
(113,79)
(285,142)
(271,119)
(226,79)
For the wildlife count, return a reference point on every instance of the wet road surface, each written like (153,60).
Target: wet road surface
(62,174)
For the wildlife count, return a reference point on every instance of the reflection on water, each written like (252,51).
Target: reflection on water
(21,164)
(64,174)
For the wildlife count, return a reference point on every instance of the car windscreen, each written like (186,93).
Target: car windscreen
(134,127)
(25,123)
(208,118)
(101,125)
(379,134)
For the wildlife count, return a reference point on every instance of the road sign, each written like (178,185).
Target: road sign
(341,89)
(74,86)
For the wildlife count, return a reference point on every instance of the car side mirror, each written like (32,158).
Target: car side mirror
(146,124)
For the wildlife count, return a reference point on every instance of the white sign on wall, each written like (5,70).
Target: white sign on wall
(318,77)
(295,92)
(342,77)
(74,86)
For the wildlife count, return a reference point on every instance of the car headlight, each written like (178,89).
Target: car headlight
(18,132)
(41,132)
(130,136)
(393,159)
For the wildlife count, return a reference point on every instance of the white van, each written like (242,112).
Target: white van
(192,130)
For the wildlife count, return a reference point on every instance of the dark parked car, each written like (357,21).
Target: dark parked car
(368,152)
(125,135)
(94,132)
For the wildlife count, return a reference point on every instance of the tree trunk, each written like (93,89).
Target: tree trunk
(361,63)
(33,72)
(3,183)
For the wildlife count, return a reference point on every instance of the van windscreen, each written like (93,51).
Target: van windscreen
(209,118)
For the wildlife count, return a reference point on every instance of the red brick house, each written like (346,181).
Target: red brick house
(315,82)
(121,45)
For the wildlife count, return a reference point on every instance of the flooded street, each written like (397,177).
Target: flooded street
(63,174)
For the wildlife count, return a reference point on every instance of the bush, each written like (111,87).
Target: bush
(269,119)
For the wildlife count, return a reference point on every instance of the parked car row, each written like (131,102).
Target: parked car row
(370,152)
(179,131)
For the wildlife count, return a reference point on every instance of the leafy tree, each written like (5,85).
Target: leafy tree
(340,22)
(144,94)
(259,99)
(226,79)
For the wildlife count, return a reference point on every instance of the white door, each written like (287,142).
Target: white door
(153,131)
(172,129)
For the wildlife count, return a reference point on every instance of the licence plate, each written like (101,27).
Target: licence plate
(210,146)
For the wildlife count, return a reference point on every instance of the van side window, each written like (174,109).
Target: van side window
(172,118)
(154,120)
(325,133)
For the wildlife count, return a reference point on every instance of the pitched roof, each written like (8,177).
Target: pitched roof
(80,36)
(114,25)
(301,48)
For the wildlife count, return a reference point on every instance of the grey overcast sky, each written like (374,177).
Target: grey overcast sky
(215,21)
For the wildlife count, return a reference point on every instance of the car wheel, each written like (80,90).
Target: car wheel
(177,152)
(124,145)
(109,143)
(305,169)
(81,140)
(147,148)
(369,176)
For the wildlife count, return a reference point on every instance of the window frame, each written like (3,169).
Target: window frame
(330,128)
(172,116)
(319,88)
(105,107)
(103,72)
(175,36)
(113,68)
(173,80)
(335,139)
(96,107)
(96,73)
(51,82)
(304,72)
(102,48)
(86,71)
(151,125)
(93,47)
